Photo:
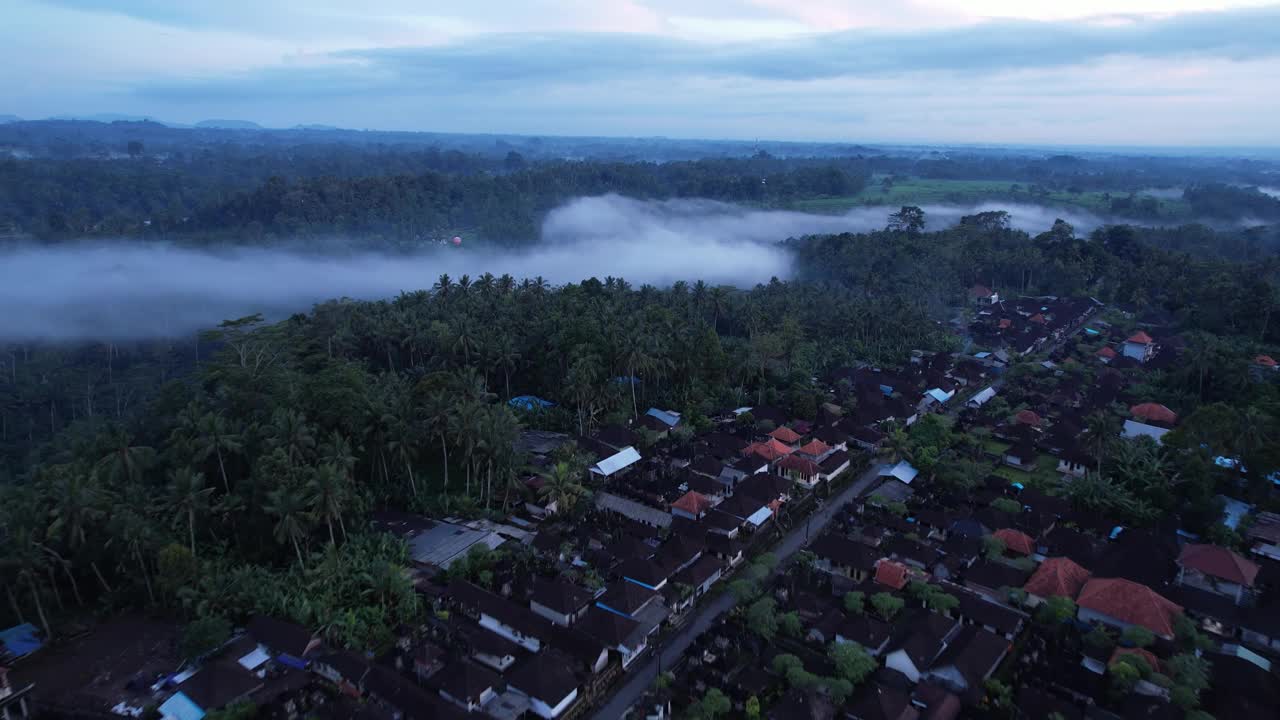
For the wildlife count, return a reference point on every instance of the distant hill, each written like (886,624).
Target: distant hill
(107,118)
(9,118)
(316,126)
(217,124)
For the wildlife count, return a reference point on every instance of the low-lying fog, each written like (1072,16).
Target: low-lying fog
(129,289)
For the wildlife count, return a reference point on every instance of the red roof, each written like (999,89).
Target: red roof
(1027,417)
(892,574)
(1016,541)
(1140,338)
(815,448)
(1155,412)
(1220,563)
(1005,322)
(770,451)
(980,291)
(693,503)
(1057,576)
(1130,602)
(1265,361)
(1106,352)
(1038,318)
(1120,652)
(785,434)
(805,467)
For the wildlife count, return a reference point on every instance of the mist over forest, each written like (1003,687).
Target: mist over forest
(95,289)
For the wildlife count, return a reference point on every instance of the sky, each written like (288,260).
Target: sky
(1085,72)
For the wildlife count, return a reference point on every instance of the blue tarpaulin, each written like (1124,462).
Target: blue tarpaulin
(21,640)
(529,402)
(181,707)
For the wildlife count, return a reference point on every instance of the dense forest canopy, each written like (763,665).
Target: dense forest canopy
(64,180)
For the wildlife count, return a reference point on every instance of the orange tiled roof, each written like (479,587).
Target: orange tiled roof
(1140,338)
(1154,411)
(1265,361)
(1220,563)
(1057,576)
(1107,352)
(815,448)
(1130,602)
(892,574)
(1027,417)
(694,503)
(785,434)
(1016,541)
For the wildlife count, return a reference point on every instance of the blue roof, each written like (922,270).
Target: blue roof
(886,389)
(982,355)
(21,640)
(667,417)
(181,707)
(529,402)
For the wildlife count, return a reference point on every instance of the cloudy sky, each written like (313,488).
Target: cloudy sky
(1111,72)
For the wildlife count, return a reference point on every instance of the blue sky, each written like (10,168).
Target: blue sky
(1125,72)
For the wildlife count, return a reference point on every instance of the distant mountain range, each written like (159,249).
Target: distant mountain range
(9,118)
(218,124)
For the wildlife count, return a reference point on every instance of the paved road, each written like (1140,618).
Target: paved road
(640,678)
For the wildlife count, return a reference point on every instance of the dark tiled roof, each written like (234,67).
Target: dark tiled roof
(546,677)
(218,684)
(280,636)
(465,680)
(563,597)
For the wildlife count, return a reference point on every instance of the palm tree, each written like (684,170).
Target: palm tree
(1201,358)
(188,499)
(327,497)
(337,451)
(504,357)
(636,359)
(291,432)
(126,461)
(215,436)
(1102,426)
(561,486)
(288,505)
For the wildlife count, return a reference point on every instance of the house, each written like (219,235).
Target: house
(1027,417)
(902,472)
(1154,413)
(833,465)
(982,397)
(993,579)
(499,615)
(1139,346)
(921,641)
(968,660)
(891,574)
(1074,463)
(669,418)
(558,601)
(467,685)
(1217,570)
(617,632)
(1057,576)
(786,436)
(1022,456)
(344,669)
(881,702)
(1133,429)
(801,470)
(548,683)
(1015,542)
(692,505)
(974,609)
(1123,603)
(289,643)
(617,463)
(866,631)
(984,295)
(867,438)
(1106,354)
(434,543)
(701,575)
(213,687)
(632,510)
(491,650)
(839,555)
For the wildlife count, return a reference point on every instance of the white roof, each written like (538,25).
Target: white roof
(758,517)
(902,471)
(624,458)
(981,398)
(1133,429)
(252,660)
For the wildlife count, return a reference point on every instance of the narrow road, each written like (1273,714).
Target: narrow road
(641,677)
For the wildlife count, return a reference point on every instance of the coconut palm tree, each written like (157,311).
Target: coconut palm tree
(290,431)
(289,506)
(561,486)
(125,461)
(216,436)
(188,500)
(327,497)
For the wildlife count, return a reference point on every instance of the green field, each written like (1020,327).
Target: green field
(917,191)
